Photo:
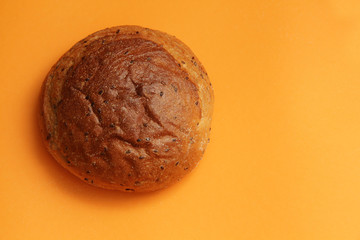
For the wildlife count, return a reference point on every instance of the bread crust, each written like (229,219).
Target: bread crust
(127,108)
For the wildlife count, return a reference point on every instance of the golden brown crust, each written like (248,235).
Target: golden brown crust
(127,108)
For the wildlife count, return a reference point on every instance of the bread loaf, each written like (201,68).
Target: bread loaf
(127,108)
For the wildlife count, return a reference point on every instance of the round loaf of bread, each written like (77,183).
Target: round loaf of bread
(127,108)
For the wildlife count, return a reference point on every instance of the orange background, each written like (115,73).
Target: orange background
(284,159)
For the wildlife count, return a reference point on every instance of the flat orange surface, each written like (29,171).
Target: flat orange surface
(284,159)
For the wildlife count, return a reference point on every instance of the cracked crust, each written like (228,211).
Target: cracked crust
(127,108)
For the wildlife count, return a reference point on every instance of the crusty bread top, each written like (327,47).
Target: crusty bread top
(127,108)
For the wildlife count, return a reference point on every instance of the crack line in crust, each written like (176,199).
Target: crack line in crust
(117,136)
(98,118)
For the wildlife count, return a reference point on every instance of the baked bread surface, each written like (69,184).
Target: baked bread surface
(127,108)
